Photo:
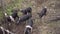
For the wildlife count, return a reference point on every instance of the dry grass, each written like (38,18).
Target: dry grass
(44,25)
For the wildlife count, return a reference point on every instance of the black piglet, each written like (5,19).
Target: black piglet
(28,28)
(24,18)
(27,10)
(43,12)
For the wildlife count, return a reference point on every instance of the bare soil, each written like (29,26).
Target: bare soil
(44,25)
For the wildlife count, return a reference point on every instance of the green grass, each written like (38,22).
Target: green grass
(15,4)
(9,7)
(1,15)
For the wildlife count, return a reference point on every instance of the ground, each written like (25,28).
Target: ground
(44,25)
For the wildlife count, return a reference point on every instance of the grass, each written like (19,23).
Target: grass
(15,4)
(10,6)
(1,15)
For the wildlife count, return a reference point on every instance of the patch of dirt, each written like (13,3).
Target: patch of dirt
(44,25)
